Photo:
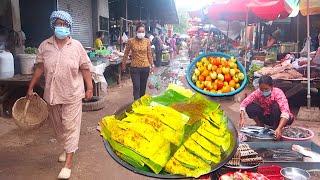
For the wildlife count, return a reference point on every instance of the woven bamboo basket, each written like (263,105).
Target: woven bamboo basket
(29,114)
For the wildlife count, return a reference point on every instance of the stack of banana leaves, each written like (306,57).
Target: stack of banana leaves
(177,132)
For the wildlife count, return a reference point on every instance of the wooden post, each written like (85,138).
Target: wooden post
(16,23)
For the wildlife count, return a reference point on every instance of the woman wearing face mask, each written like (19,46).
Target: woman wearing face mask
(66,67)
(141,61)
(267,105)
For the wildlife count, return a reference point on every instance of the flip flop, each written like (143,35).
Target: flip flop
(65,173)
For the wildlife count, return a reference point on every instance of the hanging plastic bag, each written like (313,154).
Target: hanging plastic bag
(124,38)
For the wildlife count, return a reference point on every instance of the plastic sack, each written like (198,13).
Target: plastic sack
(124,38)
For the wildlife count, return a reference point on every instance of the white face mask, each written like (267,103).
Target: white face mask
(141,35)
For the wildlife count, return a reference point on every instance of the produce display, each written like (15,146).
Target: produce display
(296,133)
(159,136)
(217,75)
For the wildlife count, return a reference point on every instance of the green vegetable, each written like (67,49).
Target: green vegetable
(31,50)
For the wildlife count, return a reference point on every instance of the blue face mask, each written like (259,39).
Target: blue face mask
(266,93)
(61,32)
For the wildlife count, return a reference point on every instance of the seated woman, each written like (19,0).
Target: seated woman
(271,41)
(267,105)
(98,43)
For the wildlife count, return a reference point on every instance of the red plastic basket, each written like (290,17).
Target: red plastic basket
(271,172)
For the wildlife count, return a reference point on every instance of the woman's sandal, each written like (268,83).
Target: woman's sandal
(65,173)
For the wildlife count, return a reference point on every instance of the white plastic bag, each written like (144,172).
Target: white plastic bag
(124,38)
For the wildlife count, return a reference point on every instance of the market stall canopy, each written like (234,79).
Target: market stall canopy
(270,9)
(314,7)
(228,10)
(240,9)
(232,29)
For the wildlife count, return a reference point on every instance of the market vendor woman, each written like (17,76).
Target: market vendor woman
(267,105)
(66,67)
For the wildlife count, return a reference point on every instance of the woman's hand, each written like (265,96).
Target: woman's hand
(277,134)
(89,94)
(152,69)
(30,94)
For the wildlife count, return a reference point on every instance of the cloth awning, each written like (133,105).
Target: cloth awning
(240,9)
(270,9)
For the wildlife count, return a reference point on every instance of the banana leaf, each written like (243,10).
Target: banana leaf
(181,90)
(169,97)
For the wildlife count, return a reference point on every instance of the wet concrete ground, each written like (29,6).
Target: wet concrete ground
(34,154)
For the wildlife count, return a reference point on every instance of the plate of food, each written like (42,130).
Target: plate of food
(245,158)
(171,140)
(296,133)
(243,176)
(216,74)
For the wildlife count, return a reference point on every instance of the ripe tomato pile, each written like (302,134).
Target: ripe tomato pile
(217,75)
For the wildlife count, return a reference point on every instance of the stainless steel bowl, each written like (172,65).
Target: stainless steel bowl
(292,173)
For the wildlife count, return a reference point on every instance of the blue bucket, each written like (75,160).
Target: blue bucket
(192,66)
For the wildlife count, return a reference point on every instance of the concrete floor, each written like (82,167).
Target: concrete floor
(34,154)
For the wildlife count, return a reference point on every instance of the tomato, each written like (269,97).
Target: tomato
(219,71)
(215,86)
(227,77)
(214,68)
(208,78)
(201,78)
(232,83)
(226,89)
(237,85)
(205,73)
(236,79)
(220,84)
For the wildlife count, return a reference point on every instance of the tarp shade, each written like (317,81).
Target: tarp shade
(262,9)
(270,9)
(229,10)
(314,7)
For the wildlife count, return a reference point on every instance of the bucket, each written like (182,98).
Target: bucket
(27,63)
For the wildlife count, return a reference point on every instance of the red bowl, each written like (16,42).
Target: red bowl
(299,139)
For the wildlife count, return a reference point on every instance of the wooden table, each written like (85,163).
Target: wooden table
(293,86)
(17,80)
(9,85)
(116,64)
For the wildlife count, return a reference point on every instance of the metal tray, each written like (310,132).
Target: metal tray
(163,175)
(287,145)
